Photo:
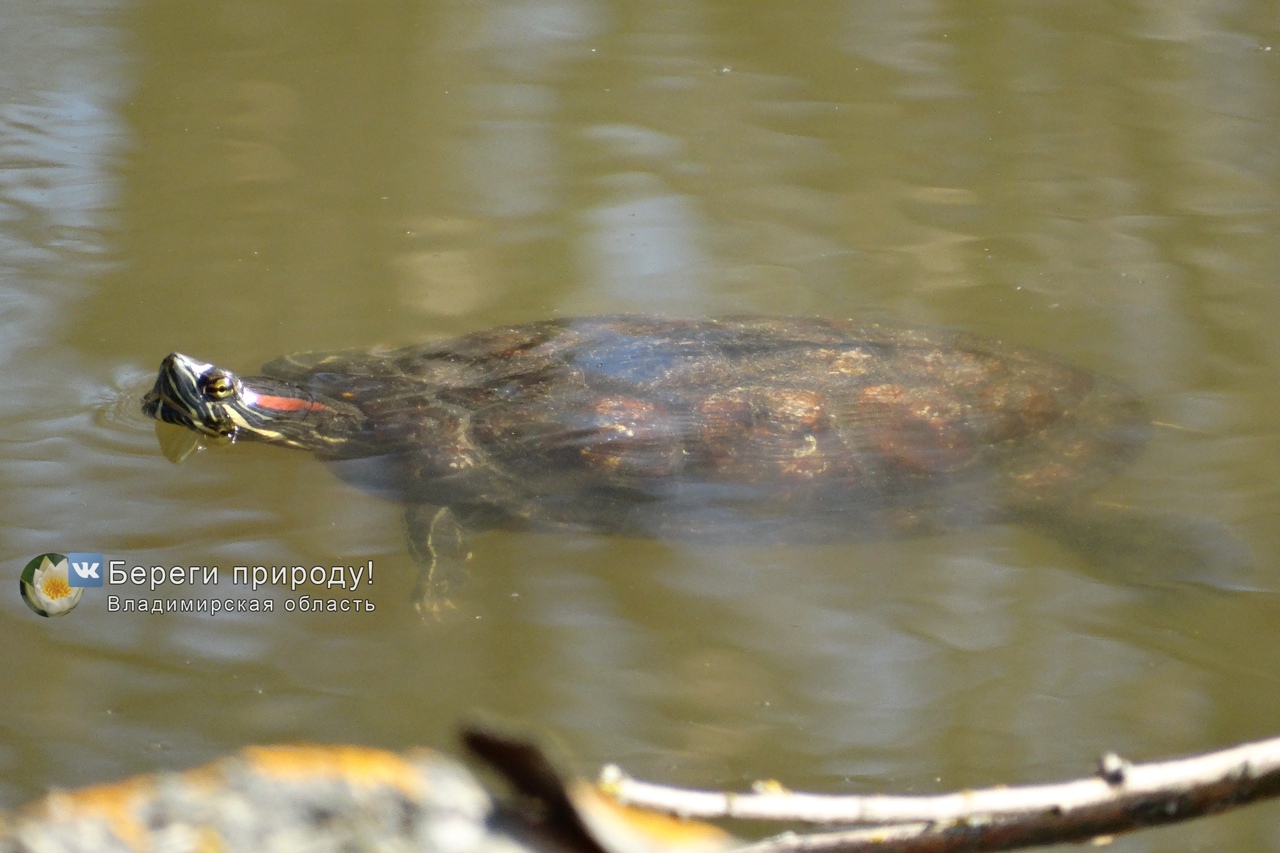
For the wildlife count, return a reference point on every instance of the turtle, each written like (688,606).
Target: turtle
(781,428)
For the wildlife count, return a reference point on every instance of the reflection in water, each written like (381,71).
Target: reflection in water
(61,140)
(646,244)
(490,150)
(699,202)
(911,39)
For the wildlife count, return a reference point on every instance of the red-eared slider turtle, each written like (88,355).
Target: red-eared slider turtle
(761,426)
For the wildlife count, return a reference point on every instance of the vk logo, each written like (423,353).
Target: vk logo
(86,569)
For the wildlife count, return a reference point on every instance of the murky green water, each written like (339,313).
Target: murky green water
(238,180)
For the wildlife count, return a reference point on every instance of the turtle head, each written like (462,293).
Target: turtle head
(216,402)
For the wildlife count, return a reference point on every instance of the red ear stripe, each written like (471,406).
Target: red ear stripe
(288,404)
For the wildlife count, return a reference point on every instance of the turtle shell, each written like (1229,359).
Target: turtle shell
(666,426)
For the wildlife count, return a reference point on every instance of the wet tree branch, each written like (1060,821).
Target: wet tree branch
(1120,797)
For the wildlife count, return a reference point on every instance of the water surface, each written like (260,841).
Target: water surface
(239,180)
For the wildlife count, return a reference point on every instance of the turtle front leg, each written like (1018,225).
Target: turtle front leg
(438,545)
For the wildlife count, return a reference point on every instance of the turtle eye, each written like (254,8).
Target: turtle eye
(219,385)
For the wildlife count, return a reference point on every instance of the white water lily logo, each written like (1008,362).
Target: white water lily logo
(46,588)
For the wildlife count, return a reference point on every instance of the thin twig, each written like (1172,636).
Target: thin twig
(1119,798)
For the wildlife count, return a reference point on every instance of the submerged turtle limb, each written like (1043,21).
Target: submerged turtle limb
(438,545)
(1146,548)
